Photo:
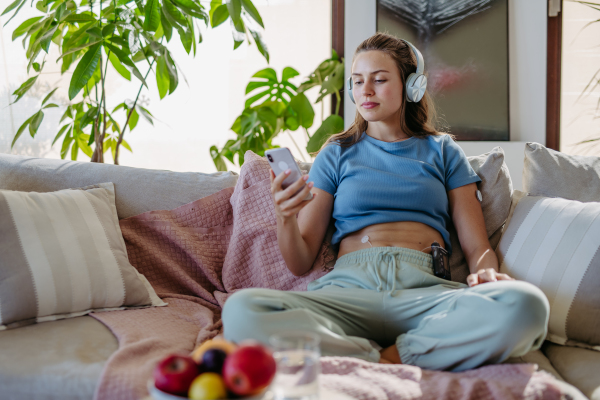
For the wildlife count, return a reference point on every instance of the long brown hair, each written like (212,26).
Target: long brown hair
(416,119)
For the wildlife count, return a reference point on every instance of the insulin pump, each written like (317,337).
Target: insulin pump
(441,269)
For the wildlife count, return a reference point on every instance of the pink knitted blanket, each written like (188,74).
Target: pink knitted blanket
(196,255)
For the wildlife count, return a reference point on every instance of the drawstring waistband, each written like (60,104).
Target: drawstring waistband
(395,254)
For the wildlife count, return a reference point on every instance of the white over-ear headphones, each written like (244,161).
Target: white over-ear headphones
(416,83)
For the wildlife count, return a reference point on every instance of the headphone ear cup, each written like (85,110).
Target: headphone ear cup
(416,84)
(349,85)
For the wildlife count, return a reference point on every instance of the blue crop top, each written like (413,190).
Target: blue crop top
(375,182)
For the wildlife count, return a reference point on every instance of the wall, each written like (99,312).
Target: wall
(527,74)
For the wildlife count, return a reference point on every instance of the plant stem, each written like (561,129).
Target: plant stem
(296,144)
(116,160)
(337,105)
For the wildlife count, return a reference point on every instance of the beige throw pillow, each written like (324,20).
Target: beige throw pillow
(552,173)
(554,243)
(496,189)
(62,255)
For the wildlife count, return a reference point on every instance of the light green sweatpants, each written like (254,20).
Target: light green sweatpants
(390,295)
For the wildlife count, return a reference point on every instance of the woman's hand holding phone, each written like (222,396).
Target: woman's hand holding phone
(289,201)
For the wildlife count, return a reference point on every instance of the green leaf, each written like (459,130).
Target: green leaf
(333,83)
(213,6)
(237,43)
(303,109)
(67,114)
(146,114)
(95,32)
(235,10)
(51,105)
(191,8)
(267,73)
(20,92)
(173,76)
(114,60)
(78,34)
(35,122)
(174,16)
(21,129)
(108,30)
(65,146)
(219,16)
(48,96)
(152,19)
(126,145)
(332,125)
(166,26)
(12,6)
(218,159)
(36,67)
(84,70)
(162,77)
(66,63)
(262,47)
(80,18)
(288,73)
(74,151)
(79,48)
(81,141)
(24,27)
(40,5)
(60,132)
(252,11)
(133,120)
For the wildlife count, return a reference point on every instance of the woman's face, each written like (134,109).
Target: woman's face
(377,87)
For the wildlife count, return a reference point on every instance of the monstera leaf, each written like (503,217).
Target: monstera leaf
(270,87)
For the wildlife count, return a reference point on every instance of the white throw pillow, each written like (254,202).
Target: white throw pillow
(554,243)
(62,255)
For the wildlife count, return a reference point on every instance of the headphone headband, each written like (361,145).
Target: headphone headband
(419,57)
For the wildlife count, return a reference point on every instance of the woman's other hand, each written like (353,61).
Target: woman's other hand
(288,205)
(487,275)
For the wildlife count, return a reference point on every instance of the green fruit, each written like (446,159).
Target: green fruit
(207,386)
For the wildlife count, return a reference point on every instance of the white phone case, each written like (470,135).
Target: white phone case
(281,159)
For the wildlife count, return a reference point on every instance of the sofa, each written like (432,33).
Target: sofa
(64,359)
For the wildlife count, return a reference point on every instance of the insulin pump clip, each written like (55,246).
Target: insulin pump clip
(441,269)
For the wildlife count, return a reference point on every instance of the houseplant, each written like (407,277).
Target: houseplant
(133,37)
(284,108)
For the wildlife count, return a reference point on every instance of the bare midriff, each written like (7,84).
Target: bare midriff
(407,234)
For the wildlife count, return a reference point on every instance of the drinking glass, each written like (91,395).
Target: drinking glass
(297,356)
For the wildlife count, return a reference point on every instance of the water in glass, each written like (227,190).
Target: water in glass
(297,374)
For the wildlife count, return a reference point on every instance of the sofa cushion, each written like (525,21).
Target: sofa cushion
(137,189)
(554,174)
(58,359)
(580,367)
(554,244)
(62,255)
(496,189)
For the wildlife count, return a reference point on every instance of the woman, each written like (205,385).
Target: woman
(392,183)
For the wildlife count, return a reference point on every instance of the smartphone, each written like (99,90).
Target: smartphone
(281,159)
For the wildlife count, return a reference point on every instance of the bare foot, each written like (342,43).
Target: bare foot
(390,355)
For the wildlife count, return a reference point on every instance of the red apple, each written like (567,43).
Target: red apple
(175,373)
(249,369)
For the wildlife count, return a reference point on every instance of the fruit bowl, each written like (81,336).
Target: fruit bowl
(158,394)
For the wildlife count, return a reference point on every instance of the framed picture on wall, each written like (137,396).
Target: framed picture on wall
(465,47)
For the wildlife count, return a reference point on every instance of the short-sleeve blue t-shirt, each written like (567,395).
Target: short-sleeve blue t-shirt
(375,182)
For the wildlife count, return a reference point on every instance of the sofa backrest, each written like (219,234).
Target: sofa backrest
(137,190)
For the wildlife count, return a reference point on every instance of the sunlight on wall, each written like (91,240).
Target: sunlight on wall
(580,61)
(196,116)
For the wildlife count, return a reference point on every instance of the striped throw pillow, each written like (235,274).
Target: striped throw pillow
(554,244)
(62,255)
